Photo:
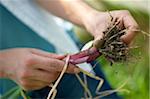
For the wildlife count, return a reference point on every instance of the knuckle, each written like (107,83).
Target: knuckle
(135,27)
(56,65)
(126,12)
(24,74)
(29,60)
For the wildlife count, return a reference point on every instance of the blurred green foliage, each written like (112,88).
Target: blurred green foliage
(136,68)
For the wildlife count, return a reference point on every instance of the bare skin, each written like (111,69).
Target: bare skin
(99,22)
(34,69)
(95,22)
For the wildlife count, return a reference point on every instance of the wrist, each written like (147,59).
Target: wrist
(91,21)
(2,69)
(77,11)
(3,65)
(87,15)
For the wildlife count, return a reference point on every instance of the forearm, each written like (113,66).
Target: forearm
(71,10)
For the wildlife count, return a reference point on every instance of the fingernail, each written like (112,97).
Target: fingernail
(76,70)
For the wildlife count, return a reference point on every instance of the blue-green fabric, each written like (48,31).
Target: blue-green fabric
(14,33)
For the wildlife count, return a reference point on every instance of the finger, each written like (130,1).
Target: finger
(98,42)
(132,26)
(31,84)
(47,54)
(119,23)
(58,66)
(129,36)
(51,64)
(44,76)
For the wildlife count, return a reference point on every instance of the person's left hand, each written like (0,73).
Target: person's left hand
(97,22)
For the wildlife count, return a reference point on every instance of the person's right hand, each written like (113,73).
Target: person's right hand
(97,22)
(32,68)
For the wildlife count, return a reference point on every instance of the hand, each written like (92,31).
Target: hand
(97,22)
(32,68)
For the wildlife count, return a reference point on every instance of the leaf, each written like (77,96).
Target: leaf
(15,93)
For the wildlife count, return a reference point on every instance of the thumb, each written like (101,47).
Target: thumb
(129,36)
(98,41)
